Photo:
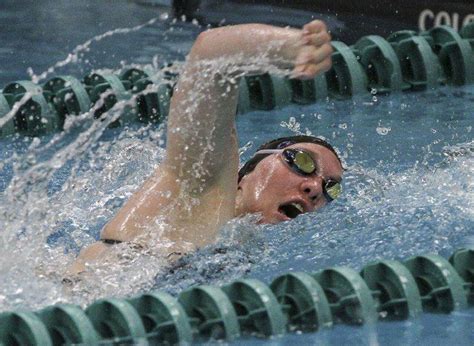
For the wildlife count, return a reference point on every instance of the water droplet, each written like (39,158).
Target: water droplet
(383,130)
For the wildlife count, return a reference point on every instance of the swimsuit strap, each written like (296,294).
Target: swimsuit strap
(111,241)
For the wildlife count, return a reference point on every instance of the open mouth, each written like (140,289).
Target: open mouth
(291,210)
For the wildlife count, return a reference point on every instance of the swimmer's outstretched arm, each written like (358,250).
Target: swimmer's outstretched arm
(194,189)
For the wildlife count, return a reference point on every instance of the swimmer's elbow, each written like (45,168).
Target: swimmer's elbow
(225,41)
(91,254)
(200,47)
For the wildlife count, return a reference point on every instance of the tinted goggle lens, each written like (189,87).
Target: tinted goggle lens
(300,161)
(303,163)
(332,189)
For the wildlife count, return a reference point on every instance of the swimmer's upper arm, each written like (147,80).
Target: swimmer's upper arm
(90,254)
(202,146)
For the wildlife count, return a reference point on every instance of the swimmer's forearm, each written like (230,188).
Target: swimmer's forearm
(245,44)
(258,46)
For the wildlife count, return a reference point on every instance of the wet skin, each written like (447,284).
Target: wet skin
(216,196)
(273,184)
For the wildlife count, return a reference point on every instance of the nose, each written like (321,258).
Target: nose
(312,188)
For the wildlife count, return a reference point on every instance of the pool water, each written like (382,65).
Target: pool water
(408,188)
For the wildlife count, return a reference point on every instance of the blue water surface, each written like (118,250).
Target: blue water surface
(408,185)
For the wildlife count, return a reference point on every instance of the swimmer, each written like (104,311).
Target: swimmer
(198,188)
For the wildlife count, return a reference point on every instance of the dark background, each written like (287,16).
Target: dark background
(348,20)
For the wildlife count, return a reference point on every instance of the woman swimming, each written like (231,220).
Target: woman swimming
(198,188)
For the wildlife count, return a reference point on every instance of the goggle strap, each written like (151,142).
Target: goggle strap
(277,151)
(269,151)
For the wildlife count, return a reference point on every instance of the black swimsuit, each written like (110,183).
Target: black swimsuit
(111,241)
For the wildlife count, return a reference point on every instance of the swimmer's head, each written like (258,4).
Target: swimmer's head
(287,177)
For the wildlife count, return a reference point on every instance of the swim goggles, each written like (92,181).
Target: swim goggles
(303,163)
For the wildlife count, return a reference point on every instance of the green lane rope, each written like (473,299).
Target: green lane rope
(9,127)
(346,77)
(309,91)
(349,296)
(441,287)
(380,62)
(455,55)
(23,328)
(116,319)
(35,115)
(303,302)
(421,68)
(394,290)
(264,92)
(257,308)
(462,261)
(68,96)
(404,61)
(163,317)
(68,324)
(210,312)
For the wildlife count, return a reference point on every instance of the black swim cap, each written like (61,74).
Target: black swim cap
(281,143)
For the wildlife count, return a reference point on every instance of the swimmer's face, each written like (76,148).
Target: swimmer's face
(278,193)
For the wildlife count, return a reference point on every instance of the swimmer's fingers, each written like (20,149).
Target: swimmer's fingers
(319,39)
(313,55)
(314,27)
(309,71)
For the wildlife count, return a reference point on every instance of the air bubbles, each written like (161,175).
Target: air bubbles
(292,125)
(373,92)
(35,143)
(318,116)
(383,131)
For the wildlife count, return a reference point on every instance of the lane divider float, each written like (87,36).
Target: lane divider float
(293,302)
(404,61)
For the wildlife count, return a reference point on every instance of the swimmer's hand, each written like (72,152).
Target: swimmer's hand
(313,51)
(306,52)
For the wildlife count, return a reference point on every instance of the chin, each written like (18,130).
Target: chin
(273,219)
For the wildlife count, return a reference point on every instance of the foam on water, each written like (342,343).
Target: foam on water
(61,189)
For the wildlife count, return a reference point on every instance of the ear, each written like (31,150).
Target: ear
(238,199)
(241,183)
